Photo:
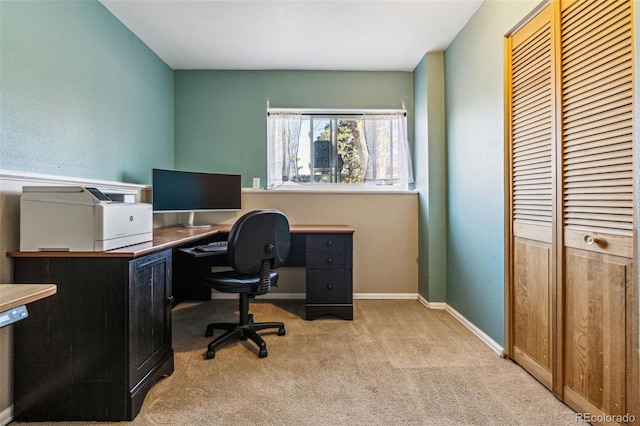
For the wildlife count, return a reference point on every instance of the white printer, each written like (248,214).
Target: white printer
(79,218)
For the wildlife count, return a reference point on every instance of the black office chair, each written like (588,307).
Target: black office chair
(258,243)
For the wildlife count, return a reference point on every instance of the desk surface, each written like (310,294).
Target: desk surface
(172,236)
(13,295)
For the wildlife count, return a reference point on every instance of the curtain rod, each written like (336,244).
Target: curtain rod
(330,111)
(334,110)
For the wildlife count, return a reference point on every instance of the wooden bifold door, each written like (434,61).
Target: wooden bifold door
(572,304)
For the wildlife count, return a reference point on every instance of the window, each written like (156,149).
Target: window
(322,148)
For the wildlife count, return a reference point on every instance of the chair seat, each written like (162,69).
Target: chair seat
(234,282)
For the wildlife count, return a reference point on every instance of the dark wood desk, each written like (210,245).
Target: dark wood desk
(94,351)
(325,251)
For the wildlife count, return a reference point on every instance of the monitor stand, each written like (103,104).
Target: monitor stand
(190,223)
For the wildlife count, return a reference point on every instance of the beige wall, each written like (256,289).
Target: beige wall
(385,242)
(385,248)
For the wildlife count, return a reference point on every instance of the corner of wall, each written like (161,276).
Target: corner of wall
(437,213)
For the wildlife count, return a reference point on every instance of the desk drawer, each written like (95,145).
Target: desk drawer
(329,242)
(329,260)
(329,286)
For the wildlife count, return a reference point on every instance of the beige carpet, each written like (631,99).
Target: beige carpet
(397,363)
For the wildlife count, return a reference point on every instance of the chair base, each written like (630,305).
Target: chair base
(241,331)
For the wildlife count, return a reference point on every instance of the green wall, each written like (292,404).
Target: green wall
(420,173)
(220,116)
(81,95)
(428,83)
(475,164)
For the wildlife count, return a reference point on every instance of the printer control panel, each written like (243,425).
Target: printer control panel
(98,194)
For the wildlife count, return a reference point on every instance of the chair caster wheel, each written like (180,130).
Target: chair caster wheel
(262,353)
(211,354)
(281,332)
(208,333)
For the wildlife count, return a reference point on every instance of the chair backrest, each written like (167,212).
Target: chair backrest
(257,236)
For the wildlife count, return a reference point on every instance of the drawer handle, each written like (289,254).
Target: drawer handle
(329,286)
(329,260)
(329,243)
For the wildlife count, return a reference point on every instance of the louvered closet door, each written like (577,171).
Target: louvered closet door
(531,153)
(600,346)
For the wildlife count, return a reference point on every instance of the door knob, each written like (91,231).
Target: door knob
(589,240)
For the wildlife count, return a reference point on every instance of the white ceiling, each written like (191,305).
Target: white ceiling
(366,35)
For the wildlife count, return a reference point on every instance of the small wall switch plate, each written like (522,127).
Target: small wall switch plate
(256,183)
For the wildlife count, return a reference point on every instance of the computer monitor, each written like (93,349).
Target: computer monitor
(184,191)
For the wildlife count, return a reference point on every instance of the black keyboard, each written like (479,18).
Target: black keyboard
(215,246)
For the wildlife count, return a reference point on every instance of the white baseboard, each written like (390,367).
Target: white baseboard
(431,305)
(6,416)
(359,296)
(284,296)
(493,345)
(484,338)
(385,296)
(218,295)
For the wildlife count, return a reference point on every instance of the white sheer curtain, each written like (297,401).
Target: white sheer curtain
(284,138)
(389,159)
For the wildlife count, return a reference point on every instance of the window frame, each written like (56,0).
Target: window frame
(335,115)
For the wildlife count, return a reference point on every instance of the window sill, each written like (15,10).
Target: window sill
(331,190)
